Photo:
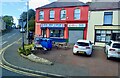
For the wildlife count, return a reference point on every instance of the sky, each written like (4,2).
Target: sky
(16,7)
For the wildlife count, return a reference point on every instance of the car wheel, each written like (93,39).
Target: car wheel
(90,55)
(74,53)
(105,50)
(108,58)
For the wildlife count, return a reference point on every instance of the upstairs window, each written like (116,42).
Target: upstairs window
(41,15)
(108,18)
(77,14)
(52,14)
(63,15)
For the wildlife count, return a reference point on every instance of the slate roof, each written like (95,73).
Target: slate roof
(62,4)
(94,6)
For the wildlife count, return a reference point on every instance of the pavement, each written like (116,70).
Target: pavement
(63,65)
(12,58)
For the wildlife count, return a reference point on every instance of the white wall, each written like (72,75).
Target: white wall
(97,18)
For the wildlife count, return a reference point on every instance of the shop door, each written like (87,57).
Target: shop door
(75,35)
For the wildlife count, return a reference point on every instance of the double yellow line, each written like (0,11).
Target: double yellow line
(12,69)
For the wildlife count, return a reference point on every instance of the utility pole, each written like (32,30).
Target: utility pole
(21,20)
(27,19)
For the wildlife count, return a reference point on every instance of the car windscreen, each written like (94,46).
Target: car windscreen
(82,44)
(116,45)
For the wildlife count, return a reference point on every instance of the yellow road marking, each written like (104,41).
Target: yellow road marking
(12,69)
(8,46)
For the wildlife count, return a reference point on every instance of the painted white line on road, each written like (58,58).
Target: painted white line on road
(4,42)
(11,35)
(9,46)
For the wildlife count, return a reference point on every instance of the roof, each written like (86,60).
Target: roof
(62,4)
(94,6)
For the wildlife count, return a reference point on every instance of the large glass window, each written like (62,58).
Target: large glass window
(103,35)
(56,33)
(63,15)
(77,14)
(52,14)
(108,18)
(41,15)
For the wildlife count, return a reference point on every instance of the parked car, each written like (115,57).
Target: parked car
(112,49)
(83,47)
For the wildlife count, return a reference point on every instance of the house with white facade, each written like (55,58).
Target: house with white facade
(103,22)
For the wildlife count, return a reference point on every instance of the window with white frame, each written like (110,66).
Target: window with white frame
(103,35)
(77,14)
(52,14)
(41,15)
(108,18)
(63,15)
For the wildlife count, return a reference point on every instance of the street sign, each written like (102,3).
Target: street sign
(21,23)
(52,25)
(77,25)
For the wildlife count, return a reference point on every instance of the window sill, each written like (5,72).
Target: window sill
(101,41)
(57,37)
(51,19)
(62,19)
(107,25)
(41,20)
(76,19)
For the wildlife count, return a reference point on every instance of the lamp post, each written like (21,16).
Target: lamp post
(27,18)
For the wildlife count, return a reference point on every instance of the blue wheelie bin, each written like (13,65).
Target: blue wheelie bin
(47,43)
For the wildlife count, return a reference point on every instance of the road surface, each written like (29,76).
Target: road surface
(5,40)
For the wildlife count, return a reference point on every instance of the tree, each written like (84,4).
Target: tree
(31,25)
(8,20)
(31,14)
(24,16)
(31,19)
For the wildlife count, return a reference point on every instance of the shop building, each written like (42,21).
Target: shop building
(67,21)
(104,24)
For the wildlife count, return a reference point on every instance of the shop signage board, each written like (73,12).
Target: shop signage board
(76,25)
(52,25)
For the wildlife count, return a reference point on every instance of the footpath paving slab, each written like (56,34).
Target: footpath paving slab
(11,56)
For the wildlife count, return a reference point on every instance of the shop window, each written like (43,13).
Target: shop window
(41,15)
(77,14)
(103,36)
(52,14)
(56,33)
(63,15)
(116,35)
(108,18)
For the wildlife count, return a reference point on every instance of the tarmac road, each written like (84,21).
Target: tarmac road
(5,40)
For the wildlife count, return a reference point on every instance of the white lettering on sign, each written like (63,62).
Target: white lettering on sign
(52,25)
(76,25)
